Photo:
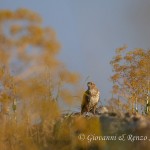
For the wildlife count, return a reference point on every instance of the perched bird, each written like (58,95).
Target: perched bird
(90,98)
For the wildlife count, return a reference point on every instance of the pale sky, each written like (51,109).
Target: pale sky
(90,31)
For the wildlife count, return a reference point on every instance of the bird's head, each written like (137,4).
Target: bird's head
(90,85)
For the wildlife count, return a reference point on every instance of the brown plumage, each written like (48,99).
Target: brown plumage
(90,98)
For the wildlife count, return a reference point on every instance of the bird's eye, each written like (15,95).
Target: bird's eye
(89,83)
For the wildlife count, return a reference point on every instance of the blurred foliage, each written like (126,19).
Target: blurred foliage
(131,79)
(32,81)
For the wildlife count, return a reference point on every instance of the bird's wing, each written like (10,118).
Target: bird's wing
(85,98)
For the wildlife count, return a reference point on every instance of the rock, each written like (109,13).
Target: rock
(113,114)
(101,110)
(110,124)
(140,121)
(127,115)
(89,114)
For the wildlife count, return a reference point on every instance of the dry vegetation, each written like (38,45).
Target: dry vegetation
(33,81)
(131,80)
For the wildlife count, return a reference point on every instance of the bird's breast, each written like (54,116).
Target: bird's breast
(95,95)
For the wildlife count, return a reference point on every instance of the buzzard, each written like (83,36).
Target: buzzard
(90,98)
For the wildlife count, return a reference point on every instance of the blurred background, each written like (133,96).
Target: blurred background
(90,31)
(50,49)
